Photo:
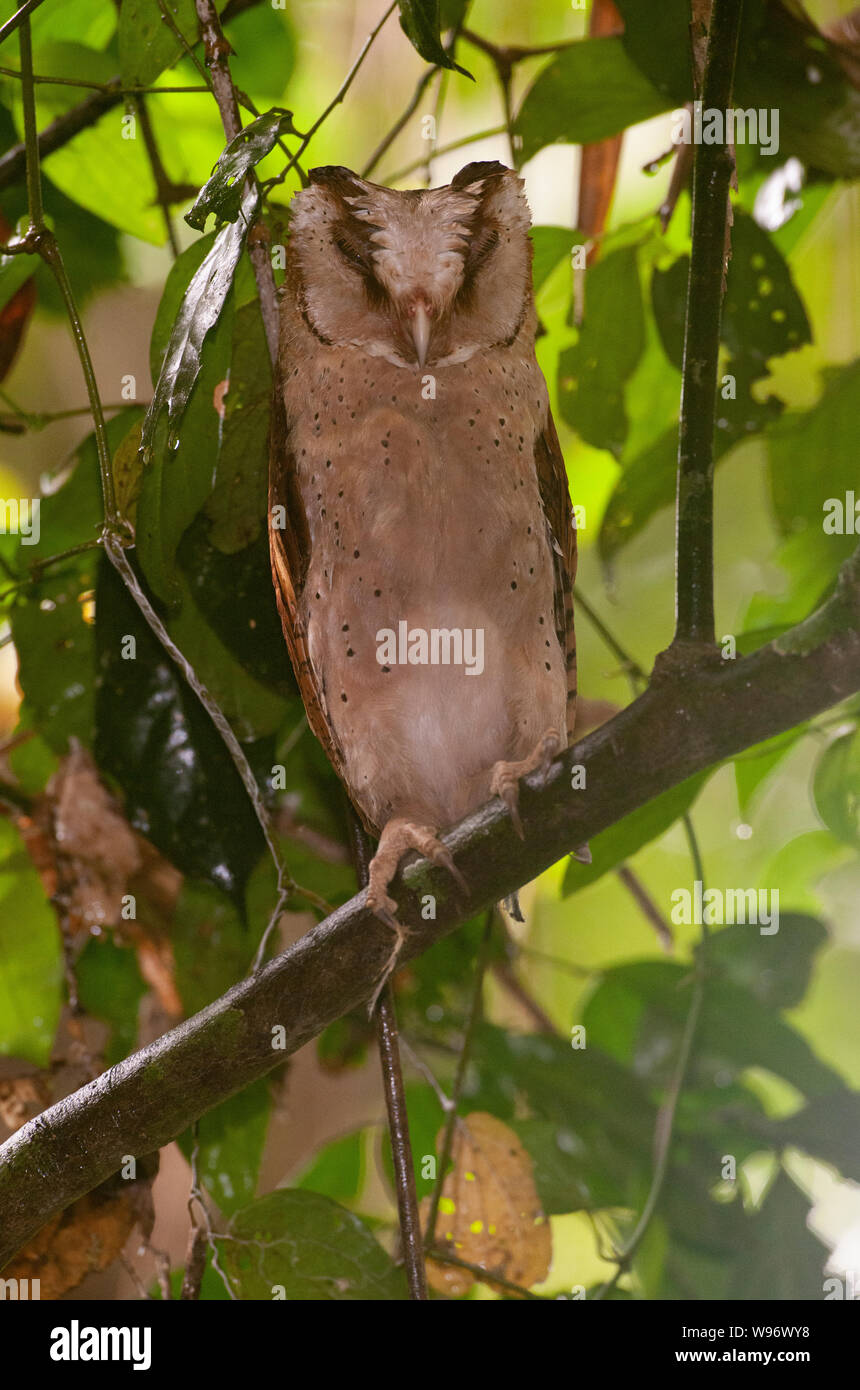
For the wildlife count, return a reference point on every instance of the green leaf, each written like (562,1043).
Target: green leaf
(562,1170)
(836,787)
(102,169)
(777,969)
(110,988)
(421,23)
(781,1259)
(180,436)
(153,736)
(828,431)
(551,245)
(211,947)
(31,956)
(238,501)
(200,310)
(621,841)
(231,1139)
(592,374)
(147,42)
(15,271)
(264,51)
(590,91)
(604,1115)
(828,1128)
(310,1247)
(754,767)
(337,1171)
(656,38)
(763,317)
(735,1030)
(786,66)
(222,194)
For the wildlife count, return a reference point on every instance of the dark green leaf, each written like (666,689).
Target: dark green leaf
(153,736)
(590,91)
(782,1259)
(828,1128)
(621,841)
(211,947)
(836,787)
(592,374)
(264,51)
(775,969)
(231,1139)
(421,23)
(222,193)
(669,302)
(311,1248)
(200,310)
(656,38)
(638,1014)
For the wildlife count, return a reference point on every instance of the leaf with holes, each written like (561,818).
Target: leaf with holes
(222,193)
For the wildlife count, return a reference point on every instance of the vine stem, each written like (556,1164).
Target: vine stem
(475,1010)
(712,172)
(395,1101)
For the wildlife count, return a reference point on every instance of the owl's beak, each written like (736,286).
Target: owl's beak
(420,328)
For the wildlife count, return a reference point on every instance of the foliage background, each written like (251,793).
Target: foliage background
(776,1071)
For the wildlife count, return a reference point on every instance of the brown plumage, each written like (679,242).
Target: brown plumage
(416,478)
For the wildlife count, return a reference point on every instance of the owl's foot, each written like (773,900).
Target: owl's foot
(505,779)
(397,838)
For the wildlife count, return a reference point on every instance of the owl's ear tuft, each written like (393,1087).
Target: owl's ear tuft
(477,172)
(340,180)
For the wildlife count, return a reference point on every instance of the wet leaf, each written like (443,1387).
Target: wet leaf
(222,193)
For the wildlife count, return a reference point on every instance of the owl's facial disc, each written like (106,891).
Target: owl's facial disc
(423,276)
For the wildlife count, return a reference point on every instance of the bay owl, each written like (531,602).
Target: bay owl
(421,533)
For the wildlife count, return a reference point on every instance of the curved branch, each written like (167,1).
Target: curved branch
(695,713)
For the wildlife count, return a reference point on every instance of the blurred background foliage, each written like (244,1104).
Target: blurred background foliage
(774,1077)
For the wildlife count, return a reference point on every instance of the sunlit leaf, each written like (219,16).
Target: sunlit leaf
(589,91)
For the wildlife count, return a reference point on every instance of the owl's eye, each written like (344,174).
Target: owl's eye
(352,253)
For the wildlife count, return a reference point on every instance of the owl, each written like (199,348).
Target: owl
(421,533)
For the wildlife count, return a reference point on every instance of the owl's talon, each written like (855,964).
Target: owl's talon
(443,856)
(400,934)
(505,779)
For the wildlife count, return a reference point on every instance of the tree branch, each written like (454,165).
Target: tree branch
(714,165)
(693,715)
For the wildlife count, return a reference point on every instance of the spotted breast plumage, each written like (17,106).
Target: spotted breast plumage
(422,537)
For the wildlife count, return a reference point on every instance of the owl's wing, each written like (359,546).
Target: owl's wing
(289,548)
(557,509)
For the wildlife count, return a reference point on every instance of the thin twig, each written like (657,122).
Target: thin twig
(163,184)
(395,1100)
(664,1129)
(472,1017)
(712,172)
(338,97)
(18,18)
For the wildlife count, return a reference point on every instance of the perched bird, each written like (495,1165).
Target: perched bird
(421,533)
